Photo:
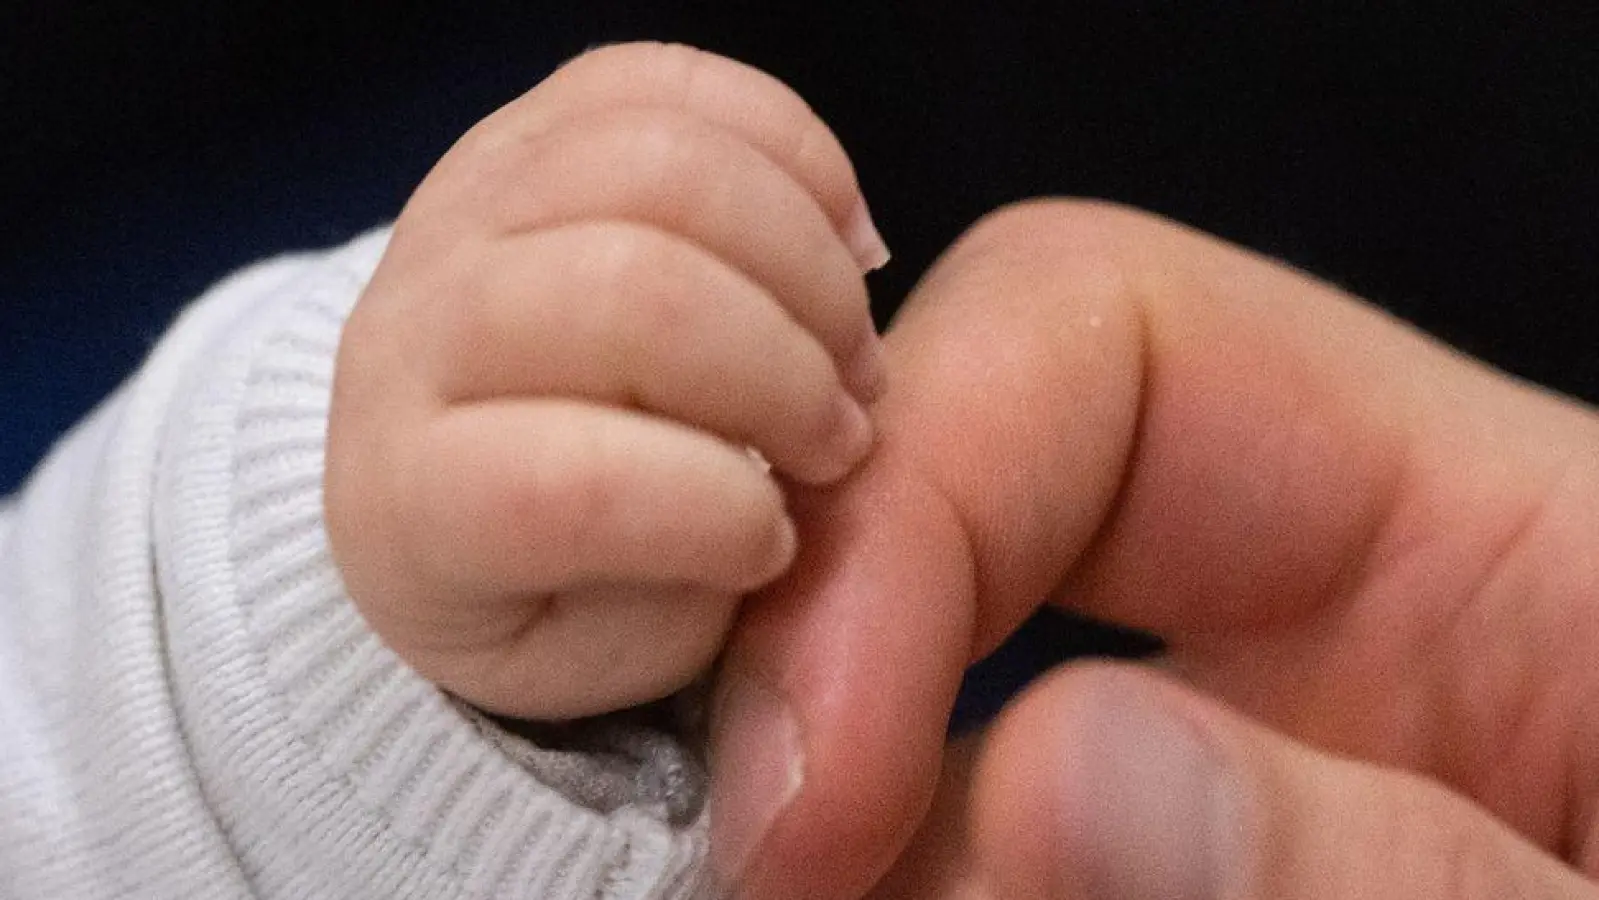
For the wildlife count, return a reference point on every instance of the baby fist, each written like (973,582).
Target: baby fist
(540,489)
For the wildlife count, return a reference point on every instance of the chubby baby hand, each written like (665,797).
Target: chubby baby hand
(540,486)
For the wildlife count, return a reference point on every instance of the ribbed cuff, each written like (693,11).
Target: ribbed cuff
(320,751)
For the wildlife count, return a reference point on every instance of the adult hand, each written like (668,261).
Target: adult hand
(1371,559)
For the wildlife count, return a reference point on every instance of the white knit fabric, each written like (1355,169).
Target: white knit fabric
(189,705)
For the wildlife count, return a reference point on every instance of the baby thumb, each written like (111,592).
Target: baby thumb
(1111,783)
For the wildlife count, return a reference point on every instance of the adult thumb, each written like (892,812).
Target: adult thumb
(1113,782)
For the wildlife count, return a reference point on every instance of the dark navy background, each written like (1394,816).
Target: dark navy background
(1442,166)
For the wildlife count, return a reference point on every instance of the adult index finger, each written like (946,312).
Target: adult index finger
(1165,431)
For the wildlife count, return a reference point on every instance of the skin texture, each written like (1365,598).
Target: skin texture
(1371,559)
(596,303)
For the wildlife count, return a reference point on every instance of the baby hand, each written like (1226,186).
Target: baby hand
(539,487)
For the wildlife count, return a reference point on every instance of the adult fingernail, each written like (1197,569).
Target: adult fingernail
(757,769)
(863,239)
(1150,810)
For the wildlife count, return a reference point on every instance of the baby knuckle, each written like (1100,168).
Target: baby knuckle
(669,318)
(623,255)
(809,140)
(667,149)
(759,522)
(824,417)
(647,278)
(572,496)
(405,480)
(470,290)
(641,54)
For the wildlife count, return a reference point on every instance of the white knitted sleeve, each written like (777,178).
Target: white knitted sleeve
(192,707)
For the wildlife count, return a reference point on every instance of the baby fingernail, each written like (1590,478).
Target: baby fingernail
(850,441)
(863,239)
(757,769)
(785,544)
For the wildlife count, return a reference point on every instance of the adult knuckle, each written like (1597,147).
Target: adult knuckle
(1068,249)
(1083,225)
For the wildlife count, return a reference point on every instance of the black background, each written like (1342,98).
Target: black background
(1437,159)
(1439,163)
